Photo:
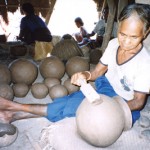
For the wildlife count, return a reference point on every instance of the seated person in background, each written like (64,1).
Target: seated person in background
(100,27)
(81,37)
(32,27)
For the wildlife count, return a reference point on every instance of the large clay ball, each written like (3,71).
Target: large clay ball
(70,87)
(39,90)
(18,50)
(20,89)
(52,67)
(6,91)
(57,91)
(76,64)
(8,134)
(102,123)
(50,82)
(95,55)
(5,76)
(23,71)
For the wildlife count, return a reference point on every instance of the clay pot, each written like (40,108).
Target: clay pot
(70,87)
(76,64)
(65,49)
(23,71)
(18,50)
(52,67)
(20,89)
(95,55)
(5,76)
(8,134)
(6,91)
(57,91)
(39,90)
(102,123)
(50,82)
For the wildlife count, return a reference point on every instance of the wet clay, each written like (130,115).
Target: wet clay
(76,64)
(52,67)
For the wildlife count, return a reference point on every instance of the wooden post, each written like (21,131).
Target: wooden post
(48,16)
(110,21)
(121,5)
(103,6)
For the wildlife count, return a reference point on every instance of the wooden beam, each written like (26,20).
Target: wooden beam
(48,16)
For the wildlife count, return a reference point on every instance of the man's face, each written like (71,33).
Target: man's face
(130,33)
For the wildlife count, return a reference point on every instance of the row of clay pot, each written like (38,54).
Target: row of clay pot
(53,87)
(23,73)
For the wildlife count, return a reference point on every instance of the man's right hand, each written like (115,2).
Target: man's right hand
(77,77)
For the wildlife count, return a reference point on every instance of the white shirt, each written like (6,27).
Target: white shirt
(101,27)
(133,75)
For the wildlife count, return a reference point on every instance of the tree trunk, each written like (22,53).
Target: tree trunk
(48,16)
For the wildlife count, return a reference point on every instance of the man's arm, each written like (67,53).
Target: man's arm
(137,103)
(22,29)
(83,32)
(91,34)
(99,70)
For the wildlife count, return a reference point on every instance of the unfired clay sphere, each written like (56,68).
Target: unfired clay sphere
(5,76)
(101,124)
(6,91)
(8,134)
(20,89)
(52,67)
(76,64)
(39,90)
(57,91)
(23,71)
(19,50)
(95,55)
(70,87)
(50,82)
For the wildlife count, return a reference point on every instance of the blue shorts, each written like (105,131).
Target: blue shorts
(66,106)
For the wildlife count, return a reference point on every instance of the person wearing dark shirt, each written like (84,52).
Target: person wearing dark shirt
(32,27)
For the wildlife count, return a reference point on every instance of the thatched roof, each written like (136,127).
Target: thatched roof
(99,4)
(41,6)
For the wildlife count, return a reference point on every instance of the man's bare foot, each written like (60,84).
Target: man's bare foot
(9,105)
(6,116)
(11,116)
(5,104)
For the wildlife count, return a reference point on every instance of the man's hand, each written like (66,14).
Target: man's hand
(77,77)
(138,102)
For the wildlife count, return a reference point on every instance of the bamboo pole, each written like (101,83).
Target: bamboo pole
(48,16)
